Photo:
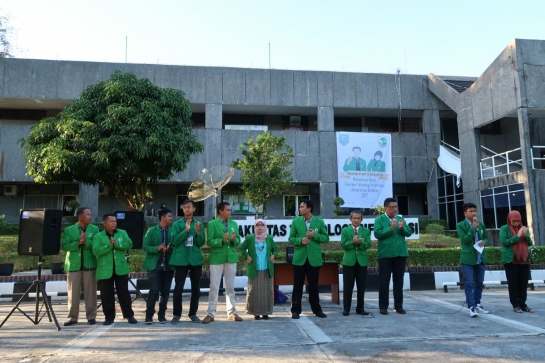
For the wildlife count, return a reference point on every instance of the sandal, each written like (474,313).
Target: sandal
(517,310)
(527,309)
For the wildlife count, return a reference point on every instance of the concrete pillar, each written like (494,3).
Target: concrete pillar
(328,192)
(533,180)
(209,208)
(470,155)
(326,121)
(88,197)
(213,117)
(431,122)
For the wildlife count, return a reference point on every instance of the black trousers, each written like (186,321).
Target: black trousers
(159,284)
(392,266)
(358,275)
(312,274)
(517,283)
(108,288)
(195,273)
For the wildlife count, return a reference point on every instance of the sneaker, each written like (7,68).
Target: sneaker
(149,321)
(473,312)
(162,320)
(175,320)
(481,310)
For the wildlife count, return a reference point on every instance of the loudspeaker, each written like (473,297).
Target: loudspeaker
(133,224)
(40,232)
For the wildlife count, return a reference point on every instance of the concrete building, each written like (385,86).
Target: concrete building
(494,121)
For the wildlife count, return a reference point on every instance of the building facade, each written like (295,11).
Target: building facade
(477,119)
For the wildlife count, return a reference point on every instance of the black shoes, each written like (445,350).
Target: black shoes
(194,319)
(362,312)
(108,322)
(266,317)
(162,320)
(91,321)
(295,315)
(69,322)
(400,311)
(132,320)
(256,317)
(321,315)
(383,312)
(346,312)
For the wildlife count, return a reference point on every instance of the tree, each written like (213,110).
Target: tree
(123,132)
(264,168)
(5,44)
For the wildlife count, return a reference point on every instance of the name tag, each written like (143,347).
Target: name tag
(189,241)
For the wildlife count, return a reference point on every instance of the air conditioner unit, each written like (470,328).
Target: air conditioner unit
(103,190)
(10,190)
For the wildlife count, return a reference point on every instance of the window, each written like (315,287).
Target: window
(497,202)
(199,207)
(402,204)
(450,199)
(41,201)
(234,195)
(383,124)
(291,204)
(65,200)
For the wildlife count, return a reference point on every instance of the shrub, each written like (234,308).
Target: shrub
(424,223)
(435,230)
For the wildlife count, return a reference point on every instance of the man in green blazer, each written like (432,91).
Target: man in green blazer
(473,234)
(223,239)
(390,232)
(355,240)
(307,233)
(354,163)
(80,265)
(112,273)
(157,245)
(188,238)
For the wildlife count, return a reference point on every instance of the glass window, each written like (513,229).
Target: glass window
(499,190)
(516,187)
(441,187)
(291,204)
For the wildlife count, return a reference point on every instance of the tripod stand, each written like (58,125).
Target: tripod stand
(39,286)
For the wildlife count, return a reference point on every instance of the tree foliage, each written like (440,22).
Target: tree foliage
(5,44)
(264,168)
(123,133)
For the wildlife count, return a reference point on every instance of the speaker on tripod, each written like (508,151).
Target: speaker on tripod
(39,235)
(132,223)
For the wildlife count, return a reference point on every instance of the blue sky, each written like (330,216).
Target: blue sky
(458,38)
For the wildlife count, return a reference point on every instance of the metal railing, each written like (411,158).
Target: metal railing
(538,162)
(500,164)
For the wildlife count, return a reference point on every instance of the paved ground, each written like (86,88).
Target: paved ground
(435,329)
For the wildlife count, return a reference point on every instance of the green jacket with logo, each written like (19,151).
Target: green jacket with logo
(247,248)
(466,232)
(508,241)
(70,245)
(352,251)
(183,255)
(154,239)
(106,254)
(313,250)
(391,243)
(220,252)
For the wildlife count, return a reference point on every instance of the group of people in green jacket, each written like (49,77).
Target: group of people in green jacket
(355,163)
(173,250)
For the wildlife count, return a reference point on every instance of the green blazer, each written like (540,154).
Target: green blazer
(69,244)
(391,243)
(466,232)
(312,251)
(220,252)
(247,248)
(351,166)
(182,255)
(106,254)
(353,252)
(154,239)
(378,166)
(507,241)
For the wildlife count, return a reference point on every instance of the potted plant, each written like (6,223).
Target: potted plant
(57,264)
(338,202)
(6,267)
(72,205)
(379,209)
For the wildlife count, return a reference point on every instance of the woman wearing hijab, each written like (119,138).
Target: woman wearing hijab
(259,250)
(515,240)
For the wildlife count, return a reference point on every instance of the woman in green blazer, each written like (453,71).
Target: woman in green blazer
(259,251)
(515,239)
(355,240)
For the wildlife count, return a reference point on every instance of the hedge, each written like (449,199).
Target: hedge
(425,222)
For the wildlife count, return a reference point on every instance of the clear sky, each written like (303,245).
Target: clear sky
(458,38)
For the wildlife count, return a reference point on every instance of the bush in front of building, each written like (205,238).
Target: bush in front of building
(424,223)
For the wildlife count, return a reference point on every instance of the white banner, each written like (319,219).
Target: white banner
(364,164)
(280,228)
